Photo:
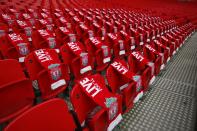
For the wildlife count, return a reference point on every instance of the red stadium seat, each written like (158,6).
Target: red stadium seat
(136,36)
(173,40)
(44,39)
(128,40)
(16,91)
(168,44)
(100,52)
(23,27)
(79,61)
(117,46)
(15,47)
(122,81)
(154,56)
(29,18)
(90,97)
(51,115)
(63,34)
(43,24)
(162,49)
(45,68)
(140,66)
(82,32)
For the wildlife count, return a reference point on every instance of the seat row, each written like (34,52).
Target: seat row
(107,64)
(107,100)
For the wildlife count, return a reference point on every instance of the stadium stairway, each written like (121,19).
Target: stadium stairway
(171,102)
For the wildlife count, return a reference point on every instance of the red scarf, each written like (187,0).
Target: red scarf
(77,49)
(63,20)
(8,19)
(64,30)
(99,45)
(49,61)
(48,37)
(143,61)
(44,15)
(92,87)
(124,71)
(46,24)
(112,39)
(130,41)
(153,50)
(24,25)
(76,19)
(26,16)
(85,63)
(43,22)
(57,14)
(83,29)
(22,48)
(124,35)
(121,47)
(162,46)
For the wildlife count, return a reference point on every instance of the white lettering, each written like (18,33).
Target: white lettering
(43,32)
(92,88)
(63,29)
(74,46)
(150,48)
(42,56)
(44,22)
(112,36)
(138,56)
(94,40)
(21,23)
(15,37)
(119,67)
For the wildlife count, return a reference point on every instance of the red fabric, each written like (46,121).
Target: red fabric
(99,45)
(22,24)
(43,22)
(124,70)
(118,66)
(25,26)
(159,44)
(8,19)
(137,55)
(82,31)
(75,47)
(112,41)
(26,16)
(22,48)
(100,95)
(64,30)
(152,49)
(47,58)
(63,20)
(46,35)
(44,15)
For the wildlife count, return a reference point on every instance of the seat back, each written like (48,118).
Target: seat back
(82,104)
(37,72)
(99,60)
(115,79)
(50,115)
(134,65)
(79,70)
(37,39)
(16,92)
(148,54)
(66,54)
